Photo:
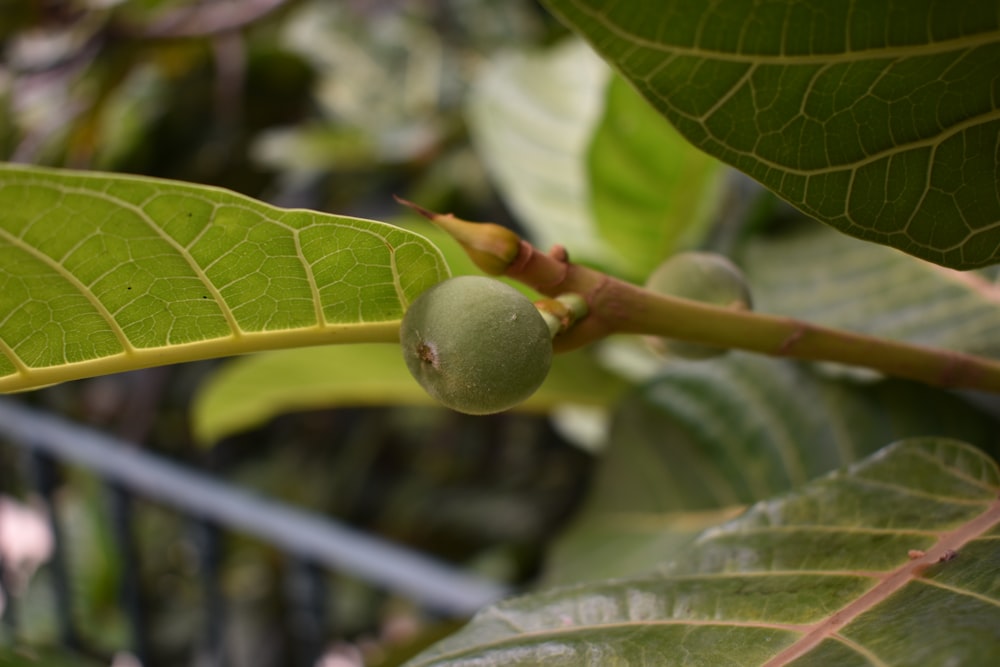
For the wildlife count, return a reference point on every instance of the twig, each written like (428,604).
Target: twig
(616,306)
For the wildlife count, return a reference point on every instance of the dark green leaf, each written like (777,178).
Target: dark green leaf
(878,118)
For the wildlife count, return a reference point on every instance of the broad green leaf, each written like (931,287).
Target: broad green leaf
(815,274)
(878,118)
(102,273)
(707,436)
(892,561)
(585,162)
(602,544)
(249,391)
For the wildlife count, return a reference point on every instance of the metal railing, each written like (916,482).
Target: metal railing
(315,543)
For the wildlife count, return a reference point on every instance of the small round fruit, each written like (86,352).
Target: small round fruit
(476,344)
(700,276)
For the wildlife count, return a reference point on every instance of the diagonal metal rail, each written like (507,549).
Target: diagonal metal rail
(308,535)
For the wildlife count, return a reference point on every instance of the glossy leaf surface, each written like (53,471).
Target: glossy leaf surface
(889,562)
(102,273)
(879,118)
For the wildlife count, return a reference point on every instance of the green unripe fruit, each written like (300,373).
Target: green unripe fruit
(476,344)
(699,276)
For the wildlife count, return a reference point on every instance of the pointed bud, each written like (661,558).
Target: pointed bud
(490,246)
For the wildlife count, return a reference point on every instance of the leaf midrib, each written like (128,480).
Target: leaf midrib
(949,543)
(888,583)
(32,377)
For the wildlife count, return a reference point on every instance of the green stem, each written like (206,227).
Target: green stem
(619,307)
(787,337)
(562,312)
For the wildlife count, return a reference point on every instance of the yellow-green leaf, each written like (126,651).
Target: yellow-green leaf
(102,273)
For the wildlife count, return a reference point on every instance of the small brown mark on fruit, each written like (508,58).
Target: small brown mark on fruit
(427,354)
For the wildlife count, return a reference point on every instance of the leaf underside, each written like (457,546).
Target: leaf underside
(102,273)
(893,561)
(881,119)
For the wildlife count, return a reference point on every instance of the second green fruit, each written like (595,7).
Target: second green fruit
(699,276)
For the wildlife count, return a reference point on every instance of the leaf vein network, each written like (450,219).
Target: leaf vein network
(75,282)
(140,212)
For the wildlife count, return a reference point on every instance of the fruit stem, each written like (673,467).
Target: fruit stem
(615,306)
(562,312)
(553,322)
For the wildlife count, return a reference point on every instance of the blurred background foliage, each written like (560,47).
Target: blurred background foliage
(480,107)
(326,105)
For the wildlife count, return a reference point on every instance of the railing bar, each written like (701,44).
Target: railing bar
(308,590)
(208,545)
(8,606)
(130,588)
(44,469)
(311,536)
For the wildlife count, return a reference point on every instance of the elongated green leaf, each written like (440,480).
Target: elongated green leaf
(102,273)
(878,118)
(818,275)
(251,390)
(652,192)
(705,437)
(532,117)
(890,562)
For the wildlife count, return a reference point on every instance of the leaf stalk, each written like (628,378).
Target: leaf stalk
(618,307)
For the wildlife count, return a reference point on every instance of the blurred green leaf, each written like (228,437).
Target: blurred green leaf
(249,391)
(652,192)
(532,117)
(877,119)
(889,562)
(705,437)
(314,148)
(102,273)
(737,429)
(813,273)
